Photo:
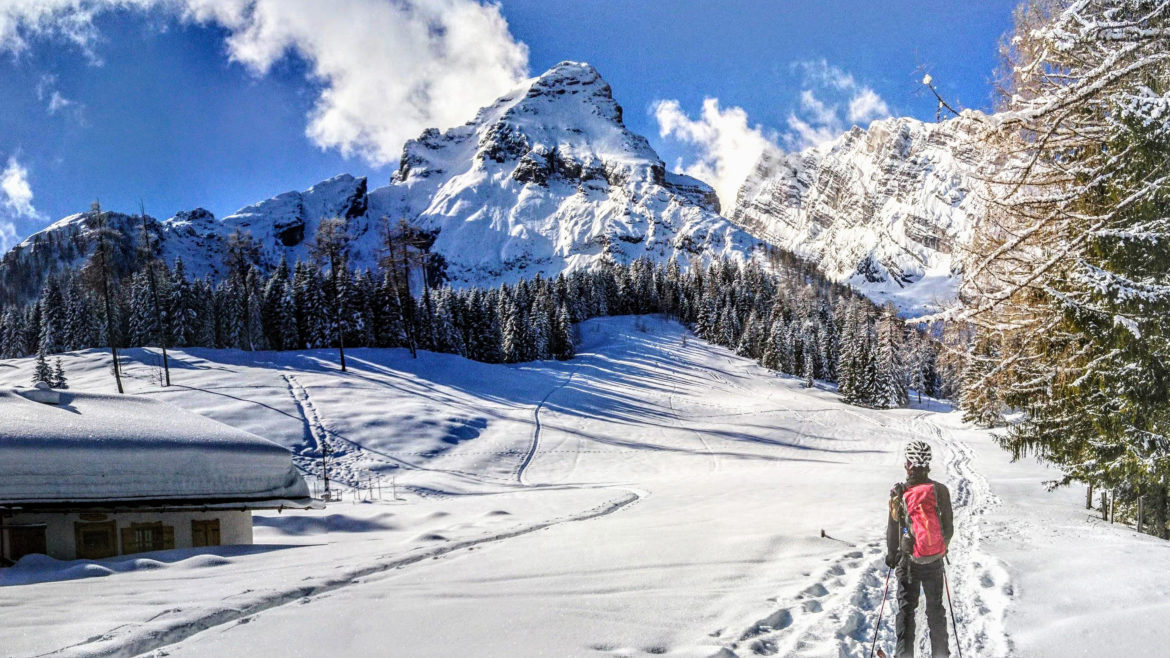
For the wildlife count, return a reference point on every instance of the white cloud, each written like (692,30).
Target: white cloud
(823,73)
(47,89)
(387,70)
(729,147)
(7,235)
(867,106)
(15,193)
(57,102)
(15,201)
(831,101)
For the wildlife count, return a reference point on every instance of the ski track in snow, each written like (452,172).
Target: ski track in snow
(308,457)
(349,457)
(702,438)
(841,605)
(980,584)
(536,430)
(345,459)
(128,640)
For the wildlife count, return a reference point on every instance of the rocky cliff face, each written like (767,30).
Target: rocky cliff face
(883,209)
(546,179)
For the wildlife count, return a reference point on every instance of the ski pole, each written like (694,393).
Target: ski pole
(882,609)
(954,622)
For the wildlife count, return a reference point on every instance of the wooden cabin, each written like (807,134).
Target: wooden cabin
(90,476)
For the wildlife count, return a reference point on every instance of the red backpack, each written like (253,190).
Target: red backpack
(925,522)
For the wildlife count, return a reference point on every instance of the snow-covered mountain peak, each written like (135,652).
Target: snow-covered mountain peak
(564,122)
(550,177)
(882,208)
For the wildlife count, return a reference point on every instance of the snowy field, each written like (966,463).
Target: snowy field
(653,496)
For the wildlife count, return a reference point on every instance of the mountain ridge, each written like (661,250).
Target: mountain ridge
(546,179)
(884,209)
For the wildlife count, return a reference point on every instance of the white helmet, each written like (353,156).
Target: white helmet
(918,453)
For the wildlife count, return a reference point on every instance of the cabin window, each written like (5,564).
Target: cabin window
(95,540)
(23,540)
(205,533)
(141,537)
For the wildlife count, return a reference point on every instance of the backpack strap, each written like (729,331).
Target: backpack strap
(898,511)
(938,509)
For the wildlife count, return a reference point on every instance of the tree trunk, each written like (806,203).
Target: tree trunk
(1139,512)
(1158,513)
(1089,497)
(163,330)
(110,323)
(337,314)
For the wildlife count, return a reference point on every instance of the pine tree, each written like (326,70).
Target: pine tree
(310,307)
(250,302)
(58,380)
(515,332)
(161,322)
(182,311)
(389,329)
(272,307)
(563,348)
(540,336)
(771,356)
(99,273)
(143,325)
(809,354)
(424,322)
(751,342)
(80,319)
(242,254)
(890,371)
(53,318)
(42,372)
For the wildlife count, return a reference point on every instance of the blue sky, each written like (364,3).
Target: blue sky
(221,103)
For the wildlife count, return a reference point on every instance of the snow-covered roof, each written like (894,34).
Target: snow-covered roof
(96,449)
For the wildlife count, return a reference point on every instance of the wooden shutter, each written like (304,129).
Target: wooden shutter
(129,541)
(168,533)
(205,532)
(24,540)
(95,540)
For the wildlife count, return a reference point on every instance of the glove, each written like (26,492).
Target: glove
(898,490)
(891,560)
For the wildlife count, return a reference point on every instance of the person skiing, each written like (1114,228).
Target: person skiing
(917,535)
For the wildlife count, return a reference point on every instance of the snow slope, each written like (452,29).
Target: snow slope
(653,496)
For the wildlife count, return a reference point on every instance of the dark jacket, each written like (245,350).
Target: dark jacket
(896,521)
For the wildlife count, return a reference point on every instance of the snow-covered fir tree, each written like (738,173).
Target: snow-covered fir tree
(42,371)
(59,381)
(889,364)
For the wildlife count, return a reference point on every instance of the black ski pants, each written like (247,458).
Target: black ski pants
(913,579)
